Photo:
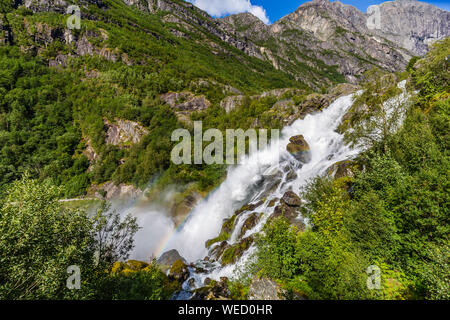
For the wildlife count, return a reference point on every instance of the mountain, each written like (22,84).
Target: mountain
(319,44)
(412,24)
(334,34)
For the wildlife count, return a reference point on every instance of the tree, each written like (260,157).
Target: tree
(40,239)
(378,111)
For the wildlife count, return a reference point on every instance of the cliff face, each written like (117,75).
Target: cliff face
(412,24)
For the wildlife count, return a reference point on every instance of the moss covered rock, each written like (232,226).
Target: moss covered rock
(225,233)
(234,253)
(343,169)
(250,223)
(289,213)
(179,271)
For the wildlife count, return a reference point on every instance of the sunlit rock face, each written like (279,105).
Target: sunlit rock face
(412,25)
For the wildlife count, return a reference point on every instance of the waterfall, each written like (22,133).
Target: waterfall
(246,183)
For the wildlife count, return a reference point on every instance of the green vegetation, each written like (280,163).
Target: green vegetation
(394,216)
(41,238)
(49,115)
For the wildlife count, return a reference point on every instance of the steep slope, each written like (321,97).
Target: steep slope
(322,33)
(71,101)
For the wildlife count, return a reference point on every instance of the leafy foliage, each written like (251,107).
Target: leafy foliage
(395,215)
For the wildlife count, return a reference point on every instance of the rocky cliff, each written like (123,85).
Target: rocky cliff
(411,24)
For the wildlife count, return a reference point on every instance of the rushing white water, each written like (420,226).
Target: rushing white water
(250,182)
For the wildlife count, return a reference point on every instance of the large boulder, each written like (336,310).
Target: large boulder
(170,257)
(299,148)
(291,199)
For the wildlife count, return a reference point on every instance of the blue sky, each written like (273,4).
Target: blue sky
(271,10)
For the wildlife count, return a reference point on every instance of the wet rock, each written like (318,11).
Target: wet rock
(248,207)
(217,251)
(291,199)
(233,253)
(213,290)
(289,213)
(291,176)
(225,233)
(170,257)
(191,283)
(250,223)
(272,203)
(299,148)
(207,282)
(179,271)
(265,289)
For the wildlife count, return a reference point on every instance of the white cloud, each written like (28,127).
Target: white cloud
(219,8)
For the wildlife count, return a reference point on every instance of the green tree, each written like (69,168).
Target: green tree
(40,238)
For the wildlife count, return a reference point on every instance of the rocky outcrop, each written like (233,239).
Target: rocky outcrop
(185,103)
(292,214)
(342,169)
(265,289)
(123,133)
(59,6)
(232,253)
(232,102)
(122,191)
(299,148)
(247,25)
(250,222)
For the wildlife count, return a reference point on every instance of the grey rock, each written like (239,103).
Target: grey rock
(124,132)
(411,24)
(168,258)
(264,289)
